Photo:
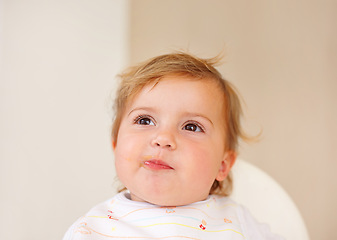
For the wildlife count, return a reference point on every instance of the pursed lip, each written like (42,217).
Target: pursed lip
(156,164)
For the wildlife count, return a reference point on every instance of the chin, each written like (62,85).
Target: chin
(168,198)
(160,201)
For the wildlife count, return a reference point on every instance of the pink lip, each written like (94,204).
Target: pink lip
(156,165)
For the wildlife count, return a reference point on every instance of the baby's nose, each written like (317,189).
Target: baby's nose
(164,140)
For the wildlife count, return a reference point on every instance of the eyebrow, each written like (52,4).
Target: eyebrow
(191,114)
(186,114)
(141,109)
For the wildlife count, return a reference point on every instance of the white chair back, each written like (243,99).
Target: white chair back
(267,201)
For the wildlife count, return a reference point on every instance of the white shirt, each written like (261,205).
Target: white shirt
(215,218)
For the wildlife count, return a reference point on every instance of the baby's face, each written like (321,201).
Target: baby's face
(171,143)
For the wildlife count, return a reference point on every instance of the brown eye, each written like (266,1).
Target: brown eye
(193,127)
(143,120)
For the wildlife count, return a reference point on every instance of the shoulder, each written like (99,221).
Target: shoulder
(96,215)
(251,228)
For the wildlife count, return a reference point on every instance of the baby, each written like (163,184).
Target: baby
(175,137)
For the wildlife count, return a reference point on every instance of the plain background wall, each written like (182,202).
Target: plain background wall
(59,63)
(282,56)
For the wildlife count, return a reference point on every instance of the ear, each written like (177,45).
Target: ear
(226,165)
(113,145)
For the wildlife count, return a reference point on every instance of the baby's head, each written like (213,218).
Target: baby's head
(176,130)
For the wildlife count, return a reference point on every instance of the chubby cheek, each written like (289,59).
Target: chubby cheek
(205,167)
(126,157)
(125,168)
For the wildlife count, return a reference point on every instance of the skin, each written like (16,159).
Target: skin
(171,142)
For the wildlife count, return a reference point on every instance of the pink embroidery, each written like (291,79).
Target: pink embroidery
(170,210)
(111,217)
(82,228)
(203,222)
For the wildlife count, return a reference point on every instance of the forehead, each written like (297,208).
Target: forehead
(182,92)
(176,81)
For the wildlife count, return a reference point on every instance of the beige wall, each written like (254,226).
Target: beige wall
(59,59)
(282,56)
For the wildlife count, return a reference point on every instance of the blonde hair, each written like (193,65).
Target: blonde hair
(180,63)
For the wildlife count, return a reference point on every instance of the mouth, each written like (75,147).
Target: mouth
(154,164)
